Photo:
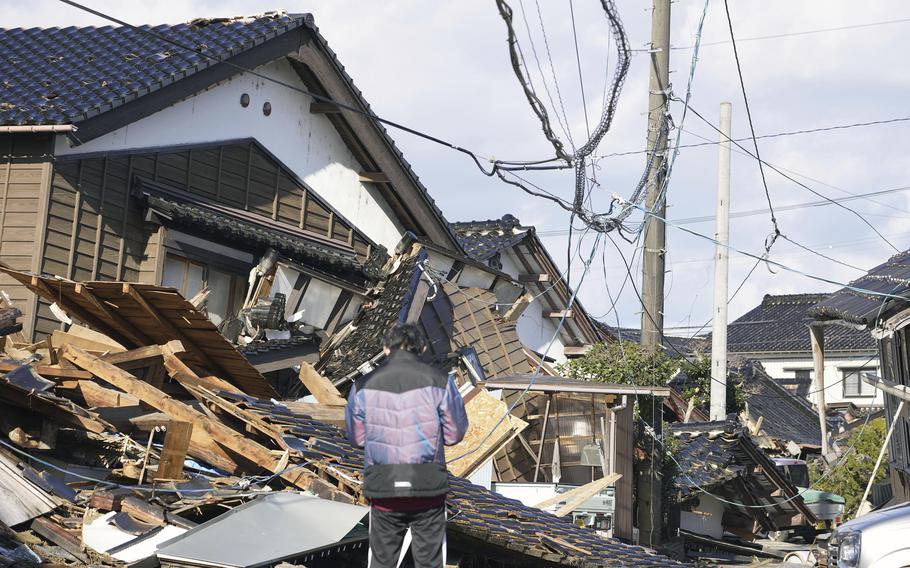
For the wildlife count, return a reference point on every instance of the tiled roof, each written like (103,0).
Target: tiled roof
(477,514)
(861,307)
(387,307)
(196,217)
(483,240)
(712,455)
(780,324)
(674,345)
(63,76)
(787,416)
(268,346)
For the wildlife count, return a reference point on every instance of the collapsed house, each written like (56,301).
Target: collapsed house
(186,243)
(728,492)
(102,482)
(781,423)
(515,249)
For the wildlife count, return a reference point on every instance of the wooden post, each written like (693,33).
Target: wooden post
(543,438)
(176,444)
(817,334)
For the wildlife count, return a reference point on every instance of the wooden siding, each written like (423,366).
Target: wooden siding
(96,230)
(25,172)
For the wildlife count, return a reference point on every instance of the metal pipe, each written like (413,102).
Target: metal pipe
(613,411)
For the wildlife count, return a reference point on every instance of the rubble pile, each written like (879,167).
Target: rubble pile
(149,439)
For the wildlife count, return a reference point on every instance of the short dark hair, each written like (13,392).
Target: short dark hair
(405,336)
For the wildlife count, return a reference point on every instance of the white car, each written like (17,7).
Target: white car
(876,540)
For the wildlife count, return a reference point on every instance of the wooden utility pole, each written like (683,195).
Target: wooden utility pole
(652,319)
(721,270)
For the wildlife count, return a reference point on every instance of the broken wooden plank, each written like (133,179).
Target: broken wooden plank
(143,511)
(65,539)
(96,396)
(487,433)
(525,278)
(142,356)
(49,371)
(61,338)
(216,431)
(320,387)
(165,324)
(573,498)
(114,319)
(176,444)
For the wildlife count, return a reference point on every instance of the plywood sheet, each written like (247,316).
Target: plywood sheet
(479,444)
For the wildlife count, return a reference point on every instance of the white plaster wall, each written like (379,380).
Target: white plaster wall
(306,143)
(706,519)
(534,330)
(834,391)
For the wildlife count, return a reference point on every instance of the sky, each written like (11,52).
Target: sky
(443,68)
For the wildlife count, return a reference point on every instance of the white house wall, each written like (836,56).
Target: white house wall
(306,143)
(534,330)
(782,368)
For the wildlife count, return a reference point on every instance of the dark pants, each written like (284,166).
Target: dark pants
(388,531)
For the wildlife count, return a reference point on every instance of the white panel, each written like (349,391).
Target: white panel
(307,143)
(318,302)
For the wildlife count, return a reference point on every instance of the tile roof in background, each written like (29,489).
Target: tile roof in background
(780,325)
(483,240)
(787,416)
(890,277)
(674,345)
(63,76)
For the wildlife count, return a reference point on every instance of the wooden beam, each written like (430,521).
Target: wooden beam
(49,371)
(134,293)
(320,387)
(533,278)
(176,368)
(176,444)
(96,396)
(324,108)
(568,314)
(576,350)
(817,338)
(374,177)
(143,356)
(114,319)
(576,497)
(216,431)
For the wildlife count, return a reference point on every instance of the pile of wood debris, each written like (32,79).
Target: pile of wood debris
(148,439)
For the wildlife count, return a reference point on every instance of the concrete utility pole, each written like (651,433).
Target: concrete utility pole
(652,319)
(817,337)
(721,270)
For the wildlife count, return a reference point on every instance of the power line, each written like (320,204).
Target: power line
(774,135)
(581,79)
(761,169)
(779,208)
(804,32)
(797,182)
(773,263)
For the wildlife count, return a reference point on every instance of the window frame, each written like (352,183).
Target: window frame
(845,371)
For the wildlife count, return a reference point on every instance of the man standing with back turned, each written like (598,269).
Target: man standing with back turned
(403,414)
